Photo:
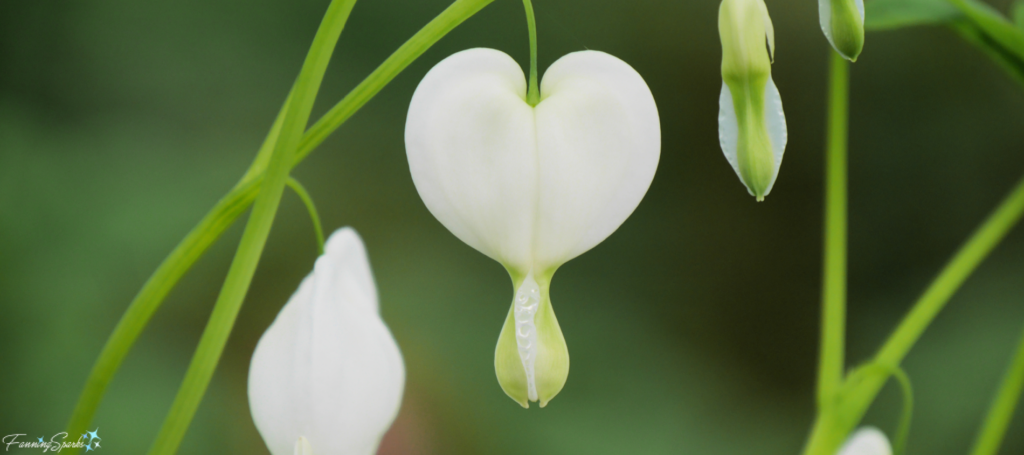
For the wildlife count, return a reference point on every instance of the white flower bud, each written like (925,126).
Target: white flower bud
(842,21)
(327,376)
(866,441)
(751,124)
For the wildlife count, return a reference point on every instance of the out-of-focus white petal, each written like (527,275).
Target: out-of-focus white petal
(866,441)
(775,121)
(327,369)
(532,187)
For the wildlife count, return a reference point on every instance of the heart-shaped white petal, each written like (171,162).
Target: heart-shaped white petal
(775,122)
(328,370)
(866,441)
(532,187)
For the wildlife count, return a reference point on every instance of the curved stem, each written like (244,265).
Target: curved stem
(257,230)
(532,92)
(166,276)
(992,431)
(833,322)
(903,432)
(966,260)
(311,208)
(823,440)
(451,17)
(225,212)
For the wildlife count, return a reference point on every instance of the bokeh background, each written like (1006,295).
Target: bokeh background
(693,329)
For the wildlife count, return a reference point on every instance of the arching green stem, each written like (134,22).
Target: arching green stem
(239,199)
(311,208)
(533,91)
(829,431)
(257,230)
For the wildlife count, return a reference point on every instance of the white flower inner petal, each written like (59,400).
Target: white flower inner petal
(526,304)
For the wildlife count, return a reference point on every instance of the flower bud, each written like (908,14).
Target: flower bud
(751,124)
(532,186)
(866,441)
(843,24)
(327,376)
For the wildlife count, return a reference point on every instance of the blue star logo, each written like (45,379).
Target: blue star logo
(93,435)
(85,436)
(88,448)
(41,439)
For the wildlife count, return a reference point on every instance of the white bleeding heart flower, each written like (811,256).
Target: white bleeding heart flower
(751,124)
(866,441)
(532,186)
(842,21)
(327,376)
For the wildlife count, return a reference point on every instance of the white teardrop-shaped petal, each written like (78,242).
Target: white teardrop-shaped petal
(775,120)
(866,441)
(825,18)
(327,369)
(532,187)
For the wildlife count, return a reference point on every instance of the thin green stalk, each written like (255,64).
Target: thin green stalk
(829,430)
(450,18)
(223,215)
(903,431)
(966,260)
(532,92)
(146,302)
(1000,412)
(311,208)
(833,320)
(257,230)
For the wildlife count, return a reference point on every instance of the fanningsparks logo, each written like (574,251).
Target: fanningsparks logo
(89,441)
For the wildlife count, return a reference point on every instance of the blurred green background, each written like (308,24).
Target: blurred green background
(693,329)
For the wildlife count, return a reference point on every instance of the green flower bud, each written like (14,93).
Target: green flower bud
(752,126)
(843,24)
(531,360)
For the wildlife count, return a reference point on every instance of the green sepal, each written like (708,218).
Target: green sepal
(847,29)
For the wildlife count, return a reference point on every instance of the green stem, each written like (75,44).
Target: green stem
(966,260)
(311,208)
(1000,412)
(956,271)
(257,230)
(445,22)
(833,332)
(903,431)
(225,212)
(166,276)
(532,92)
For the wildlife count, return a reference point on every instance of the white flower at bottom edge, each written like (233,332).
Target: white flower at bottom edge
(866,441)
(327,376)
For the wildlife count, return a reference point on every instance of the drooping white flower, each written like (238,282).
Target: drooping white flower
(842,21)
(751,124)
(532,186)
(327,376)
(866,441)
